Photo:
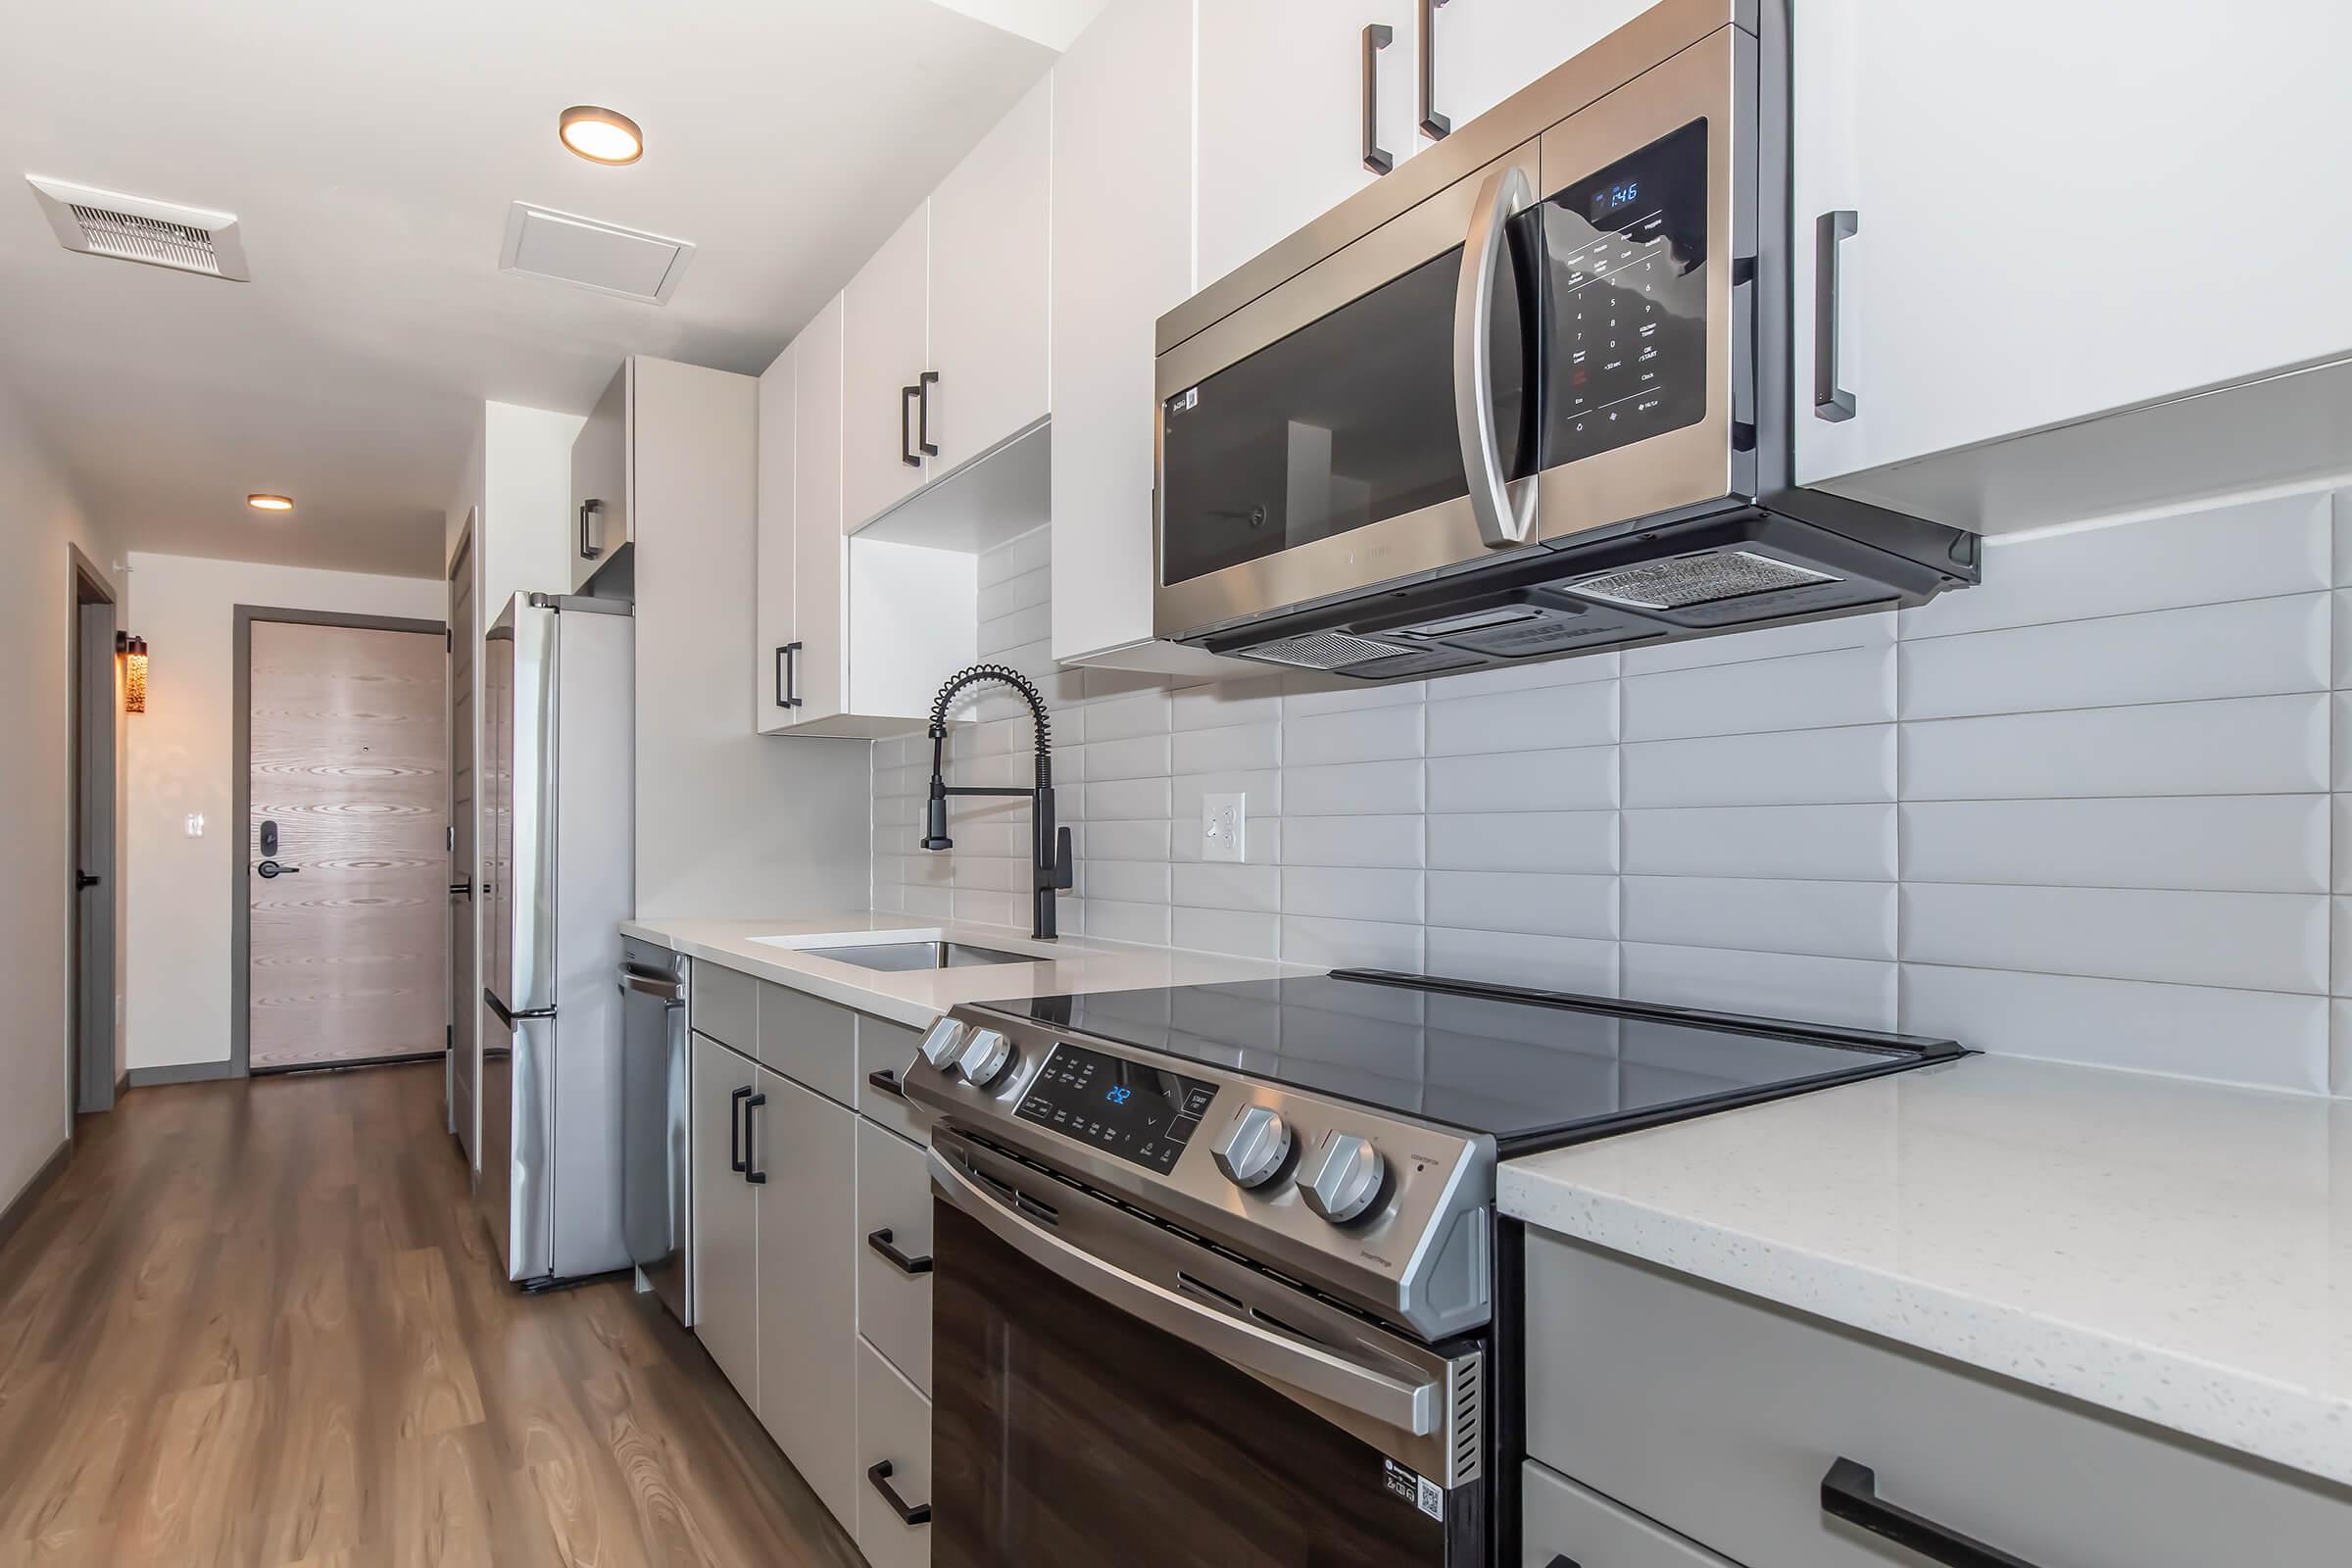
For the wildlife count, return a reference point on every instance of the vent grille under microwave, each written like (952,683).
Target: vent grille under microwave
(1324,650)
(1695,579)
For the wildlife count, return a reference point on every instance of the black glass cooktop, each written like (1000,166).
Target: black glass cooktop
(1533,1069)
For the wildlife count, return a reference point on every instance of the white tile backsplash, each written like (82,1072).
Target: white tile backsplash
(2083,812)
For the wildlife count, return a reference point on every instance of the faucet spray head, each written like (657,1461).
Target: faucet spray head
(935,809)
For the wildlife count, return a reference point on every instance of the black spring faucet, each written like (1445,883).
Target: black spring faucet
(1050,853)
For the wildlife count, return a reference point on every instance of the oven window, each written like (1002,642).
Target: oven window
(1345,422)
(1626,264)
(1065,1431)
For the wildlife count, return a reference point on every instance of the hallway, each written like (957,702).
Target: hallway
(257,1323)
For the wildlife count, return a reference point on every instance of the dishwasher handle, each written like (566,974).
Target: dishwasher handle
(650,985)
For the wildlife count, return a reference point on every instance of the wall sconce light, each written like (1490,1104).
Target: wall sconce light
(134,672)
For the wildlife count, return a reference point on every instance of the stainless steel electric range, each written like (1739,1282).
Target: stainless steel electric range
(1219,1277)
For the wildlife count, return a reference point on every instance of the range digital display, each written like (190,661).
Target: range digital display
(1122,1108)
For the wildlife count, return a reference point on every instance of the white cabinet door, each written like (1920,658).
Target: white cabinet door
(1122,256)
(600,510)
(1282,121)
(775,544)
(988,287)
(893,1429)
(885,331)
(894,1211)
(726,1223)
(1486,50)
(806,1146)
(818,670)
(2062,210)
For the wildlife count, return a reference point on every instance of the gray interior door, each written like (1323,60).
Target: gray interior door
(94,855)
(465,1013)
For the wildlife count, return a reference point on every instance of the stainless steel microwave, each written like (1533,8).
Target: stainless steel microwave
(1530,395)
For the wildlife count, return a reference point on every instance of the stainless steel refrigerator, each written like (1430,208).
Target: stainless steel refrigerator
(559,685)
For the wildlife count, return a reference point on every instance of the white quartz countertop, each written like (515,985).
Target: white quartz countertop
(1063,967)
(2177,1251)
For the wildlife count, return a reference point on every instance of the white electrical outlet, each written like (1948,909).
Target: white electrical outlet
(195,824)
(1223,821)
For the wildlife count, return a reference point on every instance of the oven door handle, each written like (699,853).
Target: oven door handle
(1409,1407)
(1505,520)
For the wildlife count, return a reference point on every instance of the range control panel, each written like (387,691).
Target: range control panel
(1139,1113)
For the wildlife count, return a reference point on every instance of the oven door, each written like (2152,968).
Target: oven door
(1310,441)
(1108,1391)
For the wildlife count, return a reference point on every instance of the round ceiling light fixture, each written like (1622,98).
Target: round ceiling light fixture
(601,135)
(263,501)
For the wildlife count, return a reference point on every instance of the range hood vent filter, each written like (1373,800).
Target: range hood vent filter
(1324,650)
(134,229)
(1702,578)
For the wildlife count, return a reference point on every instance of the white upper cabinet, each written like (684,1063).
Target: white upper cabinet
(774,638)
(886,332)
(988,288)
(1282,102)
(601,482)
(2061,210)
(1473,54)
(819,668)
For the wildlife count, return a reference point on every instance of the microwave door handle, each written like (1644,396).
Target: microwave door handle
(1408,1408)
(1505,520)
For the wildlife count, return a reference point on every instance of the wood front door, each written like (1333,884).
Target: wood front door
(346,846)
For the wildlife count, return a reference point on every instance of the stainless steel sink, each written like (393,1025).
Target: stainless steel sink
(901,956)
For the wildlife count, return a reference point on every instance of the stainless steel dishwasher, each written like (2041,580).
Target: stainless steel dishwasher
(656,1098)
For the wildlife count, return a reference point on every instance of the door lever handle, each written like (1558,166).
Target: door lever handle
(271,869)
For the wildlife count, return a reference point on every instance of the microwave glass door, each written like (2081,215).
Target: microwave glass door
(1345,423)
(1065,1430)
(1626,283)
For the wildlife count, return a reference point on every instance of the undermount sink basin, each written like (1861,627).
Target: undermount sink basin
(902,956)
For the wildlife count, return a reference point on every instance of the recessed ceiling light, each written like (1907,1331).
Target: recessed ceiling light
(601,135)
(261,500)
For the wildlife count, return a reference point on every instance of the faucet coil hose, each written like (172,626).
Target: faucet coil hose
(1009,677)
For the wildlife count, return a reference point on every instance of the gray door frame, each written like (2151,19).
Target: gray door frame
(96,770)
(240,910)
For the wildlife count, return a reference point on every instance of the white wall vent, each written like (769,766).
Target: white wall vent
(586,253)
(134,229)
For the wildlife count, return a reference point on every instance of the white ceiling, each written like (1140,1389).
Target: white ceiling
(370,154)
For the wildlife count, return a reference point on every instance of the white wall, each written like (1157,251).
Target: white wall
(41,518)
(2088,810)
(180,759)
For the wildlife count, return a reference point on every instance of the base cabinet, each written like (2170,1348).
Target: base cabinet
(893,1458)
(806,1146)
(1563,1522)
(726,1213)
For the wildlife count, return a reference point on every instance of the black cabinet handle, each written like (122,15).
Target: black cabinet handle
(1830,230)
(735,1121)
(877,1475)
(750,1153)
(879,1240)
(922,414)
(1562,1561)
(887,1081)
(907,397)
(1850,1491)
(588,551)
(788,675)
(1434,126)
(1377,35)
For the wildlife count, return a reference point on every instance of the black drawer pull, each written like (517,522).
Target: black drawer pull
(879,1240)
(878,1476)
(1377,35)
(1850,1491)
(884,1079)
(735,1120)
(750,1157)
(1562,1561)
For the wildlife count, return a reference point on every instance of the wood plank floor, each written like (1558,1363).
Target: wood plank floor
(258,1323)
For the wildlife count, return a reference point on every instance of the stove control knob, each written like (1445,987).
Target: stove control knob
(1341,1179)
(986,1058)
(1254,1148)
(944,1044)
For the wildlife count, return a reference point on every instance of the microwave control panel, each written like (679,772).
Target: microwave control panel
(1627,253)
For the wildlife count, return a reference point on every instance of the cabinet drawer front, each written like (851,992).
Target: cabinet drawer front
(724,1005)
(811,1041)
(894,1306)
(1563,1520)
(1719,1416)
(894,1427)
(888,1048)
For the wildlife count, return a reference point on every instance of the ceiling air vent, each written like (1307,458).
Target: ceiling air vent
(604,257)
(134,229)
